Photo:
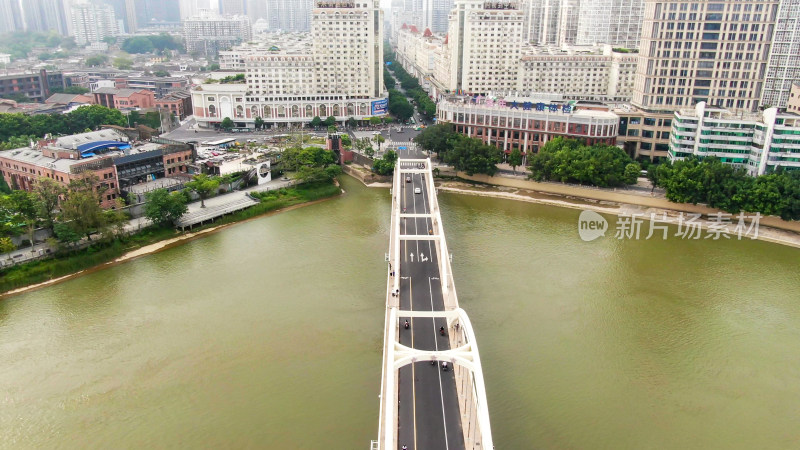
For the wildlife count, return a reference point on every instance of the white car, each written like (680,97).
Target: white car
(417,191)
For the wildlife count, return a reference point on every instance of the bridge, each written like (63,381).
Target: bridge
(432,389)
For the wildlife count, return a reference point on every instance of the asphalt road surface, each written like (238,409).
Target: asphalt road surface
(429,417)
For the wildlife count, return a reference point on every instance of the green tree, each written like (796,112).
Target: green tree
(110,40)
(632,171)
(66,234)
(6,245)
(332,129)
(227,124)
(374,120)
(81,209)
(352,122)
(163,207)
(316,122)
(515,159)
(123,63)
(48,193)
(330,121)
(473,156)
(96,60)
(69,90)
(204,186)
(25,204)
(161,73)
(227,179)
(137,44)
(259,123)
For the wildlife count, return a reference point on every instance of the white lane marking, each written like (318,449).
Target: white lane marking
(438,369)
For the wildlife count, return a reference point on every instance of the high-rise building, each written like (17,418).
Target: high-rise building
(348,46)
(208,33)
(614,22)
(45,15)
(484,41)
(289,15)
(435,14)
(232,7)
(93,22)
(11,16)
(156,11)
(704,51)
(783,67)
(550,22)
(339,74)
(126,11)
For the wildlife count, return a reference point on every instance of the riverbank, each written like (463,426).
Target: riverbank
(673,215)
(43,273)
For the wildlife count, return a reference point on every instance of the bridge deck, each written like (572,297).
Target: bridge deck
(428,415)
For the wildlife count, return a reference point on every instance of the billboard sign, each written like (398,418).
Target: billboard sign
(379,107)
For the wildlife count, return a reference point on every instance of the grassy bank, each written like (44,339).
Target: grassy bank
(66,263)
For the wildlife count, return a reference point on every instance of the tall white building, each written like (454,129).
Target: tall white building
(289,15)
(208,33)
(614,22)
(92,22)
(758,142)
(783,67)
(702,51)
(232,7)
(435,14)
(551,22)
(566,72)
(484,41)
(340,74)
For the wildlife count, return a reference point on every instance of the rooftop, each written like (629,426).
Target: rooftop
(118,92)
(76,140)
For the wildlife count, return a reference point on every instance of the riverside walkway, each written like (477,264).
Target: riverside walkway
(424,406)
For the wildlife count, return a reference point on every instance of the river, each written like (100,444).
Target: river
(268,334)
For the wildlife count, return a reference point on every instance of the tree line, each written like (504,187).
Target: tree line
(572,161)
(425,105)
(148,44)
(87,117)
(466,154)
(720,185)
(71,212)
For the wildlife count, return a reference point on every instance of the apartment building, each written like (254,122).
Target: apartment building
(758,142)
(93,22)
(208,33)
(783,67)
(573,72)
(701,51)
(614,22)
(485,40)
(35,86)
(340,74)
(267,43)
